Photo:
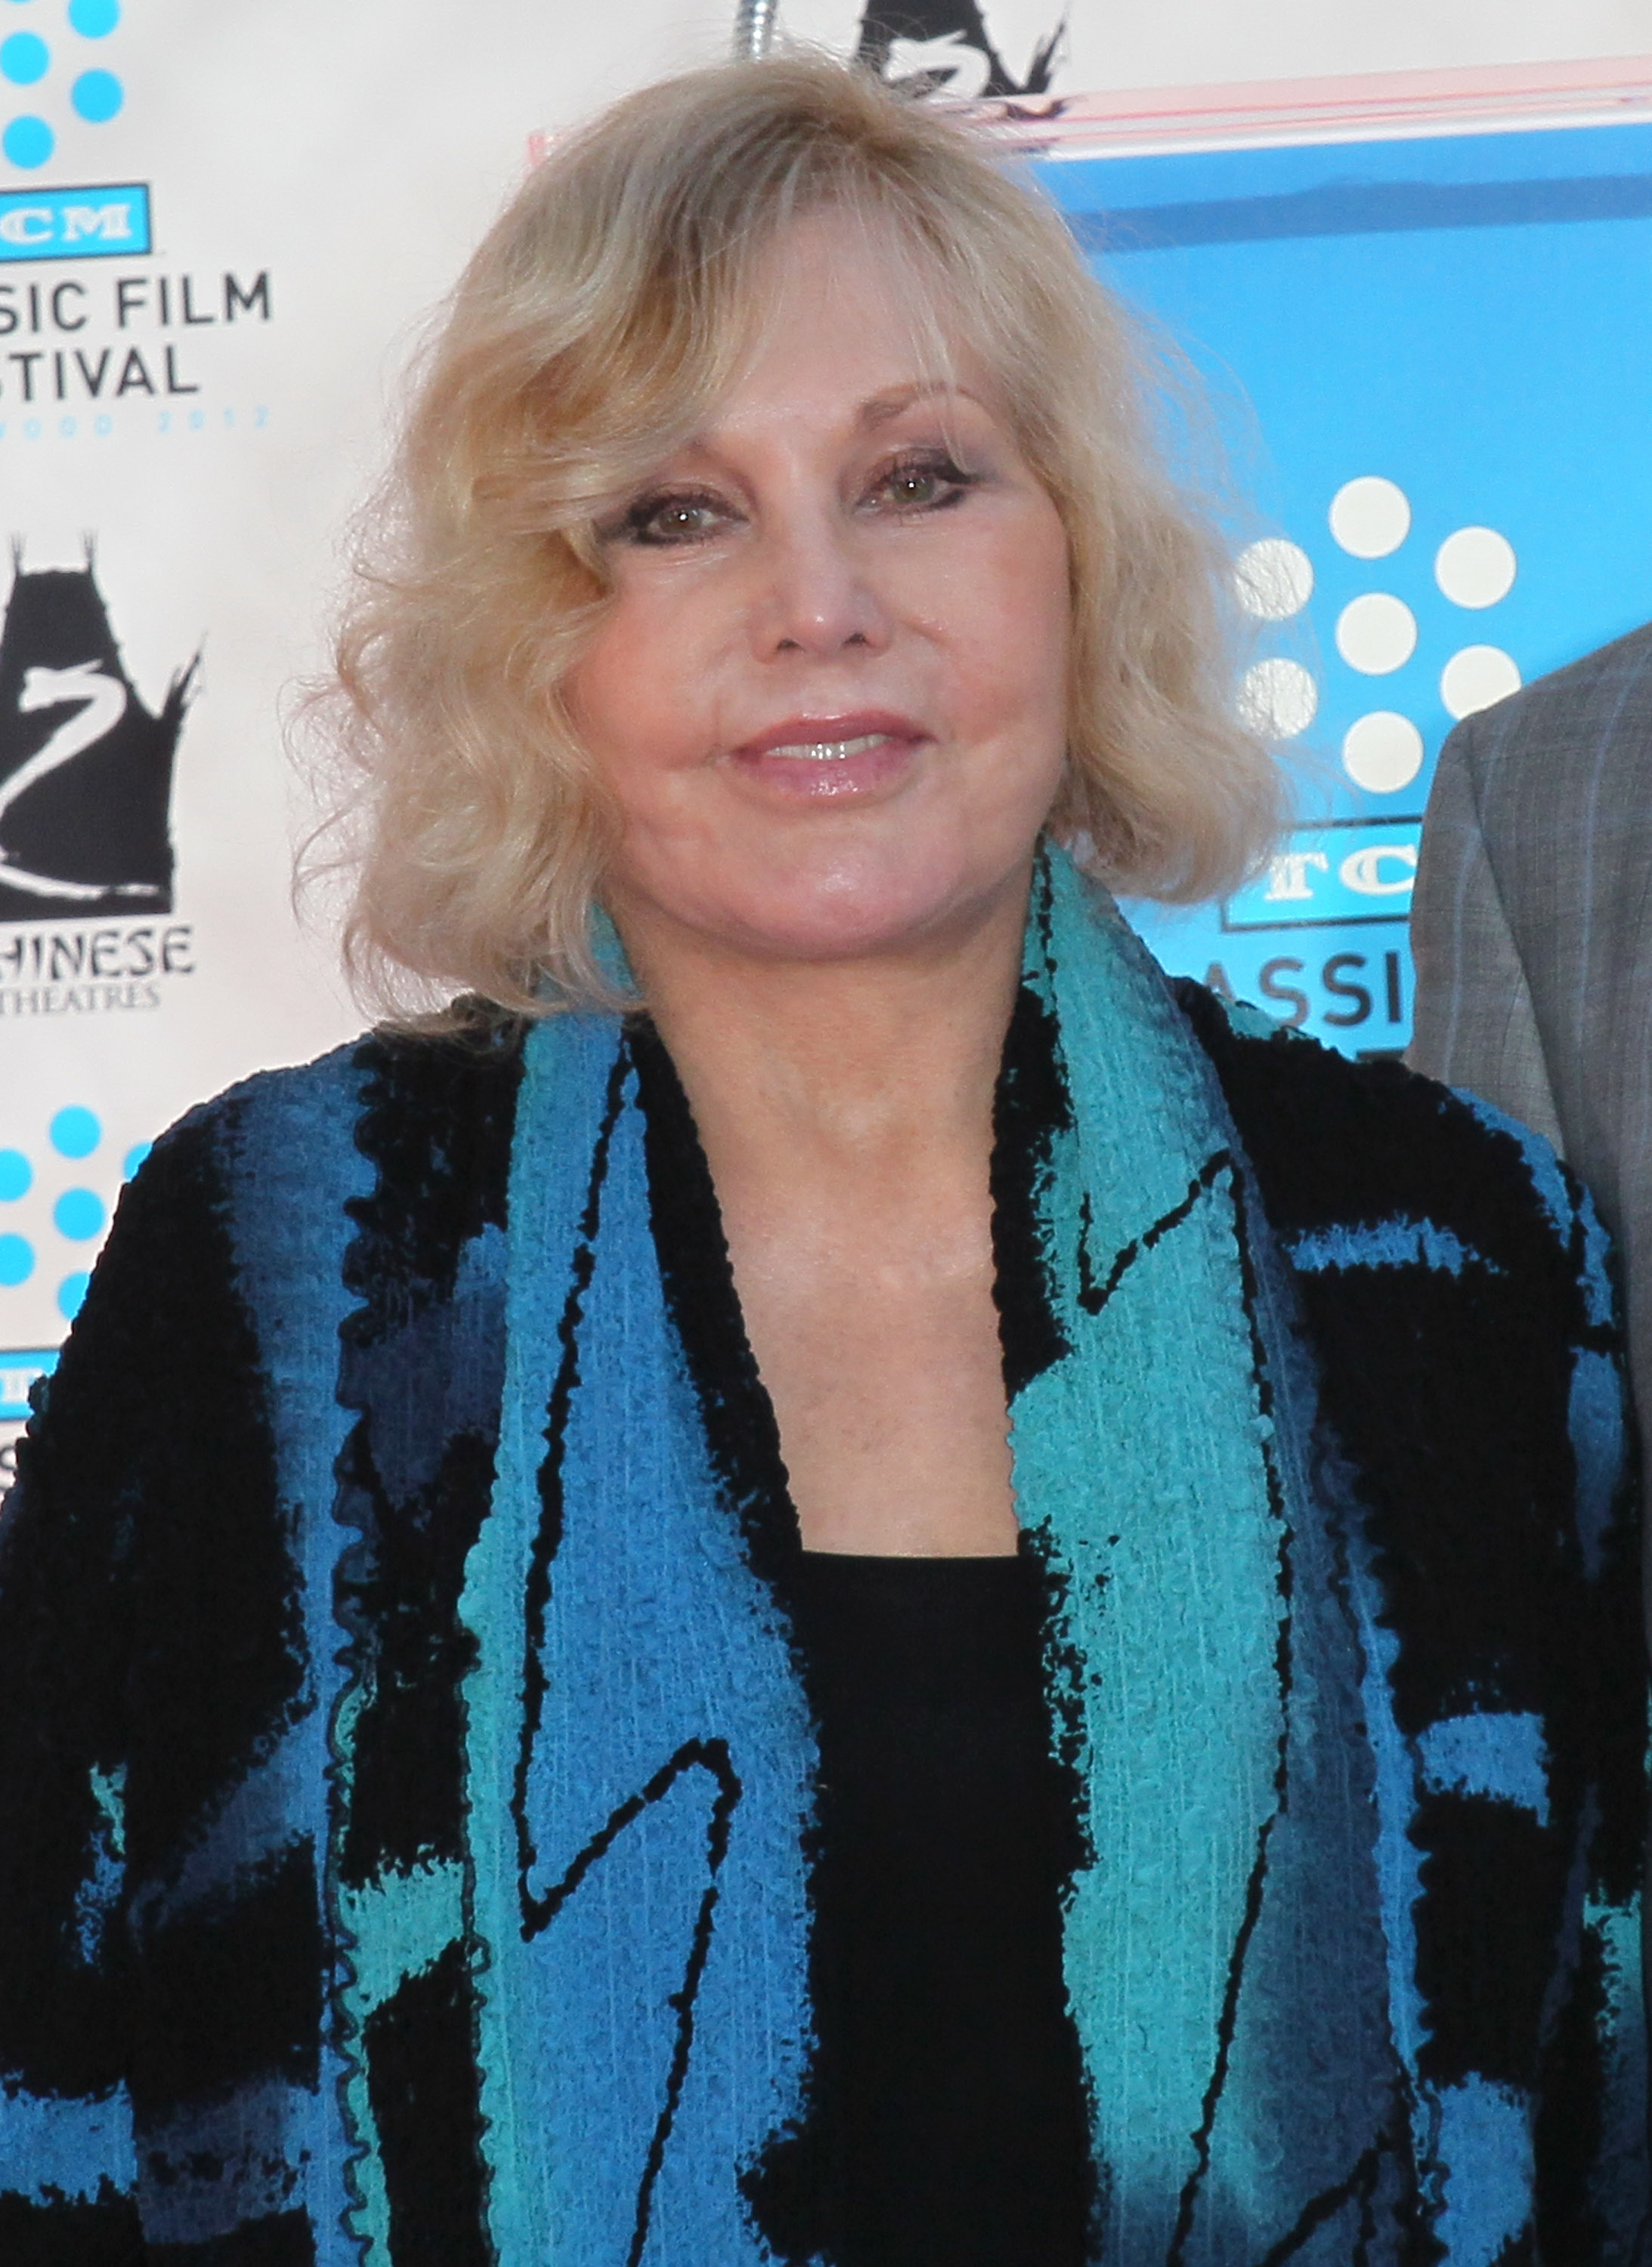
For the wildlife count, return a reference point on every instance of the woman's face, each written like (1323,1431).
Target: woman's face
(829,698)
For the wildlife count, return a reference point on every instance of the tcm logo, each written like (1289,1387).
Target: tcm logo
(18,1373)
(85,770)
(98,223)
(1353,869)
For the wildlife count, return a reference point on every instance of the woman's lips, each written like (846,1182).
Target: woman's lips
(817,758)
(829,751)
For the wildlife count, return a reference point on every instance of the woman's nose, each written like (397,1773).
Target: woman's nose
(814,593)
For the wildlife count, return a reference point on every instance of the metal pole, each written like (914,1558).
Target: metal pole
(753,29)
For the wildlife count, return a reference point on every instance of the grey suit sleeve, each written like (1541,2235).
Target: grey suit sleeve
(1475,1024)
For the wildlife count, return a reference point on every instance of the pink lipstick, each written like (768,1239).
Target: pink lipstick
(830,757)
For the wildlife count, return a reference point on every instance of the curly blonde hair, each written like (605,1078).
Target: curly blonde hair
(598,324)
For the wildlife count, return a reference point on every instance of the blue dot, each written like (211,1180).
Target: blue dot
(134,1157)
(16,1175)
(74,1131)
(24,57)
(97,96)
(28,142)
(79,1213)
(16,1261)
(94,19)
(71,1292)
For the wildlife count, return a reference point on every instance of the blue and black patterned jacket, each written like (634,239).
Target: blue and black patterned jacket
(214,1540)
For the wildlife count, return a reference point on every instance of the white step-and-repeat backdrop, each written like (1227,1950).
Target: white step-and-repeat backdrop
(222,227)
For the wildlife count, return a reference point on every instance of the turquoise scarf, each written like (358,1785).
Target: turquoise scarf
(640,1752)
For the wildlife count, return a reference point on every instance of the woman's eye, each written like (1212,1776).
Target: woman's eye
(927,486)
(673,520)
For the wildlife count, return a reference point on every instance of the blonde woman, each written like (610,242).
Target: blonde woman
(828,1578)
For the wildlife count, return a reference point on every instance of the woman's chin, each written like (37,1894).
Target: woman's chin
(869,899)
(843,919)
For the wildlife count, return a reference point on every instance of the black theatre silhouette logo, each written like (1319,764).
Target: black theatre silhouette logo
(85,770)
(945,48)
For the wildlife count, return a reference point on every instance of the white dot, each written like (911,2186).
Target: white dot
(1278,698)
(1371,516)
(1476,676)
(1475,566)
(1274,578)
(1376,634)
(1383,752)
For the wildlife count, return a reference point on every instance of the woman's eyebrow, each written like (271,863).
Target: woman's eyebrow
(882,407)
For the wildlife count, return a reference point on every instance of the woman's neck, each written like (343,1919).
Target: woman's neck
(788,1060)
(846,1111)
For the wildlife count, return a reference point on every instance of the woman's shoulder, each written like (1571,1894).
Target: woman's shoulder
(463,1066)
(1346,1150)
(356,1170)
(289,1172)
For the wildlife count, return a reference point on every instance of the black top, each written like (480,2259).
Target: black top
(947,2070)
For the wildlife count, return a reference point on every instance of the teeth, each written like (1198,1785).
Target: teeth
(831,752)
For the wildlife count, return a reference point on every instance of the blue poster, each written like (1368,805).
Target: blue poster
(1430,361)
